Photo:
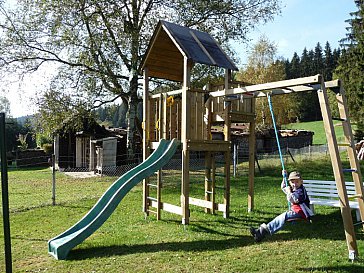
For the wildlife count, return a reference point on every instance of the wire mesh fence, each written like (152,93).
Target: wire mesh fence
(123,163)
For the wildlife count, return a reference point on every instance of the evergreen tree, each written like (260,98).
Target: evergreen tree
(335,56)
(351,66)
(318,60)
(123,110)
(305,64)
(328,63)
(116,116)
(311,56)
(287,69)
(295,66)
(101,113)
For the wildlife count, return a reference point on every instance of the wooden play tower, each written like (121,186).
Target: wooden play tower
(188,115)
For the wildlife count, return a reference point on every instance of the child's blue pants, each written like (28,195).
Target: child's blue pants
(278,222)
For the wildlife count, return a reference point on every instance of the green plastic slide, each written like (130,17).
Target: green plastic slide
(61,245)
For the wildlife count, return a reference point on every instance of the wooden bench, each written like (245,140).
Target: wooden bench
(324,193)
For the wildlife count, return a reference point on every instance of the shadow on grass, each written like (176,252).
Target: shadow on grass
(202,245)
(354,268)
(28,239)
(328,226)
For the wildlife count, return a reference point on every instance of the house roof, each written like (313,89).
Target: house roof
(170,43)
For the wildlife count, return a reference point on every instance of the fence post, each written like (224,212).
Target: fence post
(5,195)
(309,151)
(53,179)
(235,163)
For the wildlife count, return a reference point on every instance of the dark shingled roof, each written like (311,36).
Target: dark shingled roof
(171,42)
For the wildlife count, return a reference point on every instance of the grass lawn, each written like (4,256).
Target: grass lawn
(318,128)
(129,243)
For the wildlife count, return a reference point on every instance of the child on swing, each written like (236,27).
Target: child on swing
(299,208)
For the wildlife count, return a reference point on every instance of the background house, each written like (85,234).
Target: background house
(93,148)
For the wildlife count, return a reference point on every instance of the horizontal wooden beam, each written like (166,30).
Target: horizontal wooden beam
(168,207)
(208,145)
(279,87)
(201,203)
(332,84)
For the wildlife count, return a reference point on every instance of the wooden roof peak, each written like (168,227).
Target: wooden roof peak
(170,43)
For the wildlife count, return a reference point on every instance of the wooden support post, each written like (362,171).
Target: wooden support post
(161,117)
(251,161)
(164,132)
(338,172)
(354,162)
(227,137)
(213,184)
(208,189)
(227,184)
(173,121)
(185,136)
(159,193)
(146,131)
(151,122)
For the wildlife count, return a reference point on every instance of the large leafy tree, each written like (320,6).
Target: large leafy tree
(96,45)
(264,66)
(351,66)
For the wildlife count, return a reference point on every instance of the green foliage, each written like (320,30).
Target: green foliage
(22,139)
(43,139)
(12,130)
(48,148)
(112,115)
(351,67)
(263,66)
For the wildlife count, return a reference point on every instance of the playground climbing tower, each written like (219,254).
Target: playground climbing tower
(189,113)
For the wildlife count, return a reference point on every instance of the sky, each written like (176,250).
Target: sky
(302,23)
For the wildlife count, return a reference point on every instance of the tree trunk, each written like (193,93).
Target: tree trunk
(133,81)
(131,114)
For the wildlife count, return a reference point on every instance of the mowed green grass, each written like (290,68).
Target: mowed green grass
(317,127)
(127,242)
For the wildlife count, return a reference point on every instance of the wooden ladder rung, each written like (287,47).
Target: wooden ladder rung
(355,196)
(152,211)
(344,144)
(152,185)
(152,199)
(349,170)
(339,119)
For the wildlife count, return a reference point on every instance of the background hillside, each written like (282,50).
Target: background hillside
(318,128)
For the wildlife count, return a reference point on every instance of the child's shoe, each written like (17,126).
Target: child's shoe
(259,234)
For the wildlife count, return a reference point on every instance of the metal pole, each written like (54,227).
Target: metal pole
(5,195)
(53,179)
